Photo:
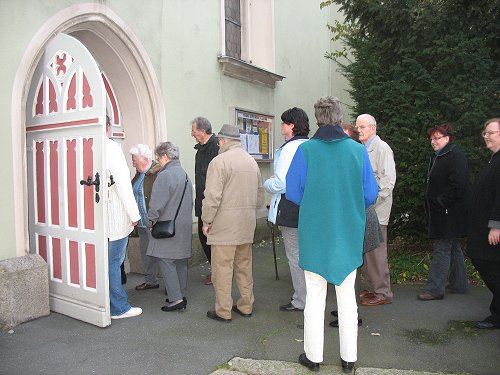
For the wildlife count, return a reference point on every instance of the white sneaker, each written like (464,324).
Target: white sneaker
(134,311)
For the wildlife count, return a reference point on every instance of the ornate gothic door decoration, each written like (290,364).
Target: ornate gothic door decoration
(65,128)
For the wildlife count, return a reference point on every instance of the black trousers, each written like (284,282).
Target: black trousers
(490,273)
(203,240)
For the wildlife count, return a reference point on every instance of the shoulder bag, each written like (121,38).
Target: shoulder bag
(166,228)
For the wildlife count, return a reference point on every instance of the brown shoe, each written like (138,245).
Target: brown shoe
(145,286)
(426,296)
(374,301)
(365,294)
(208,280)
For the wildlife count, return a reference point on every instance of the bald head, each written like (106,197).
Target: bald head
(366,125)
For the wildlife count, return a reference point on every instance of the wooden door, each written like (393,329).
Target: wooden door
(65,130)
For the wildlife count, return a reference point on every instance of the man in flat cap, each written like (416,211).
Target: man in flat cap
(233,192)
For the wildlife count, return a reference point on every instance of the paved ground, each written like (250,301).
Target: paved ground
(408,335)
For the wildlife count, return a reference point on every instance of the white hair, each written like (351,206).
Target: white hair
(368,118)
(142,151)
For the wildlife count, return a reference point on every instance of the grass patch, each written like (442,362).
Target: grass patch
(409,262)
(223,366)
(265,338)
(462,328)
(427,336)
(455,329)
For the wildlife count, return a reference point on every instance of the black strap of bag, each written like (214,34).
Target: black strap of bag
(178,208)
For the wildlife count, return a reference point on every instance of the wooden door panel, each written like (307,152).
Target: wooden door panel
(65,130)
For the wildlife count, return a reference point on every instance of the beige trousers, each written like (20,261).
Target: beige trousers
(224,260)
(376,270)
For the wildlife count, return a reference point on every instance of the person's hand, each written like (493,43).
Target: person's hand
(494,236)
(135,223)
(206,229)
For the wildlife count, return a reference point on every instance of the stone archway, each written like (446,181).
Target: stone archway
(126,64)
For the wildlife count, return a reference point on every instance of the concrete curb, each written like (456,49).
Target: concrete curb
(244,366)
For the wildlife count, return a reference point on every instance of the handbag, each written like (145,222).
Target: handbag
(166,228)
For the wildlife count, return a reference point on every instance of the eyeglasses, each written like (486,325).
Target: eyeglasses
(435,139)
(489,134)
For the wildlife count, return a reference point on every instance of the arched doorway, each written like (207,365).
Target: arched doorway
(127,65)
(128,70)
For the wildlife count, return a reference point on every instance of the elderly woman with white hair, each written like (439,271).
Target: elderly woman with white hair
(172,199)
(142,185)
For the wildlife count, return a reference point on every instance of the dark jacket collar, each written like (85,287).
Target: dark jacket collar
(210,140)
(449,147)
(494,156)
(294,138)
(329,133)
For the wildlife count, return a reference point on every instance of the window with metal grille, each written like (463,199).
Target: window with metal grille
(233,28)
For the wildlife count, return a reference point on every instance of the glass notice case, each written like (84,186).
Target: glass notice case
(256,133)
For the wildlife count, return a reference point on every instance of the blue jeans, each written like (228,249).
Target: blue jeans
(447,258)
(118,298)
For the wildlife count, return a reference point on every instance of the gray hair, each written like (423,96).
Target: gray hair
(328,111)
(491,120)
(169,149)
(141,151)
(369,119)
(202,124)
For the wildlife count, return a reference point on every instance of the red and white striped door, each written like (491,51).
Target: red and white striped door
(65,129)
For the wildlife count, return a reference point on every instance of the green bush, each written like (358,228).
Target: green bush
(414,64)
(409,262)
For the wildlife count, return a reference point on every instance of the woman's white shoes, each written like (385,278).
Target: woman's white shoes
(134,311)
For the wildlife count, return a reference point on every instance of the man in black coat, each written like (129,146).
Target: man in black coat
(207,148)
(484,223)
(447,196)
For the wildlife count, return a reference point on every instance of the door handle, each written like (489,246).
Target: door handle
(96,182)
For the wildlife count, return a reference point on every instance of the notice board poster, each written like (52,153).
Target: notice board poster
(256,131)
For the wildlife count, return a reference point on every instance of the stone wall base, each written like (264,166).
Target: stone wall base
(24,290)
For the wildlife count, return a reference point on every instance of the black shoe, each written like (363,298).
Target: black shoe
(335,313)
(236,310)
(486,324)
(347,366)
(289,307)
(183,298)
(428,296)
(178,306)
(304,361)
(146,286)
(213,315)
(335,323)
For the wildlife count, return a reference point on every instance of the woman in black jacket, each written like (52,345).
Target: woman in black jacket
(446,196)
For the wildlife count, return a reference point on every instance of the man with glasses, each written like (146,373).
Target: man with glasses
(233,193)
(206,149)
(483,243)
(375,267)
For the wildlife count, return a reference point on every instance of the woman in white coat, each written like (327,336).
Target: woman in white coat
(282,212)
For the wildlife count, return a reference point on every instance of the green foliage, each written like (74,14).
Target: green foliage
(414,64)
(409,262)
